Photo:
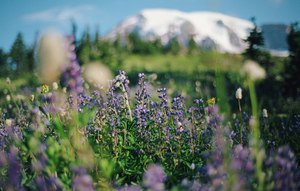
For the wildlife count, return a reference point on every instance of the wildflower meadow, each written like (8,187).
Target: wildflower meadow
(68,134)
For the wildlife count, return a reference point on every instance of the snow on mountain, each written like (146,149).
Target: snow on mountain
(209,29)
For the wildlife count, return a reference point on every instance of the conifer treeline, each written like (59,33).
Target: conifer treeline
(20,58)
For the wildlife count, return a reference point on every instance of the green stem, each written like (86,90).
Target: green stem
(241,118)
(127,102)
(240,108)
(258,150)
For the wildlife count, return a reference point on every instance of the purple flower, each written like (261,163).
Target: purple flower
(163,99)
(10,161)
(71,77)
(82,181)
(178,109)
(154,178)
(141,112)
(287,174)
(194,185)
(130,188)
(45,183)
(243,166)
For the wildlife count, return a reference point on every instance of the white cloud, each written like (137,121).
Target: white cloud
(78,13)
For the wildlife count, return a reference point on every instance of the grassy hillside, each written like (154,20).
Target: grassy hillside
(205,61)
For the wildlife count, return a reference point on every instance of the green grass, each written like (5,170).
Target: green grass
(205,61)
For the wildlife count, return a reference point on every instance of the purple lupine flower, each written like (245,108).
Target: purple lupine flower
(287,174)
(3,137)
(163,99)
(121,82)
(215,167)
(14,130)
(13,171)
(142,92)
(242,164)
(113,107)
(163,113)
(213,117)
(84,101)
(141,111)
(196,112)
(130,188)
(178,109)
(71,77)
(194,185)
(42,159)
(154,178)
(46,183)
(82,181)
(97,99)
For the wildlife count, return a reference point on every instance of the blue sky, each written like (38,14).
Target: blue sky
(29,17)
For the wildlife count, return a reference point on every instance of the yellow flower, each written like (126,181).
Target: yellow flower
(211,101)
(45,89)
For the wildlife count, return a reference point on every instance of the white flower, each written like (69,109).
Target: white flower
(32,97)
(8,98)
(238,93)
(54,85)
(8,122)
(64,90)
(8,80)
(52,57)
(193,166)
(265,113)
(97,74)
(253,70)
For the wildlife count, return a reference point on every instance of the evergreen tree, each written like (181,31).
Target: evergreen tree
(255,51)
(292,69)
(135,43)
(18,55)
(192,46)
(30,59)
(85,47)
(74,32)
(97,36)
(117,44)
(157,45)
(255,40)
(173,46)
(3,63)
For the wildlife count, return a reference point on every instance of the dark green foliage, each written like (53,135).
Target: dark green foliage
(173,46)
(17,55)
(30,66)
(255,41)
(3,62)
(255,49)
(192,46)
(85,47)
(136,45)
(292,69)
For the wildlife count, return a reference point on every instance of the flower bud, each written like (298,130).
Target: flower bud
(238,93)
(32,98)
(265,113)
(8,80)
(54,85)
(8,122)
(8,98)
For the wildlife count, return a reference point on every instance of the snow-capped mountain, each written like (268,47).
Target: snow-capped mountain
(208,29)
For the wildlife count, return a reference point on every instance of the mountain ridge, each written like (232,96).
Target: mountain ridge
(211,30)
